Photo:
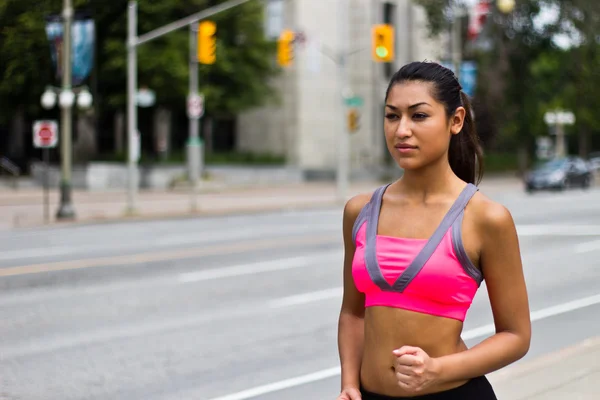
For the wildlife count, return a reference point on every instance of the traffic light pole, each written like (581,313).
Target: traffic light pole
(133,41)
(343,168)
(194,146)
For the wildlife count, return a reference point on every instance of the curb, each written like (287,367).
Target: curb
(124,218)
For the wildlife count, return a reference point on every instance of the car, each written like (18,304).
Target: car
(559,174)
(594,160)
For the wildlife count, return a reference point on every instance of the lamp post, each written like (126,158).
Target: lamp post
(66,97)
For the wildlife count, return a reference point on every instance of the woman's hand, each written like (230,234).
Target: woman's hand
(350,393)
(415,370)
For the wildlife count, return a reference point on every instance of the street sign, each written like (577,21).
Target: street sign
(559,117)
(195,106)
(45,134)
(353,101)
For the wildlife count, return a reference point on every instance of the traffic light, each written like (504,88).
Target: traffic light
(207,42)
(353,120)
(383,43)
(285,48)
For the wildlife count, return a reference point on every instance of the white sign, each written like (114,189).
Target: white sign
(274,15)
(45,134)
(559,117)
(195,106)
(145,98)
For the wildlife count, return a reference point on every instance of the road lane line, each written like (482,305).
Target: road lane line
(261,266)
(466,335)
(558,230)
(587,247)
(169,255)
(306,298)
(285,384)
(39,252)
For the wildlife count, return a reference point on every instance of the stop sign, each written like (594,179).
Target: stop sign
(45,134)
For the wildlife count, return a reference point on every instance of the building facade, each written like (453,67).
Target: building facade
(306,123)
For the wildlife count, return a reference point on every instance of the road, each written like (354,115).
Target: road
(240,307)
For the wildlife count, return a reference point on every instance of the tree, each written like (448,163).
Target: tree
(237,81)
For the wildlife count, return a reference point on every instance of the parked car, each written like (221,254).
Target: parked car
(559,174)
(594,159)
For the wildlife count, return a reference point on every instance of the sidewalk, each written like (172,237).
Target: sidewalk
(572,373)
(25,207)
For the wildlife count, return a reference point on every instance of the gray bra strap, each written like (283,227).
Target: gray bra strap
(371,240)
(417,264)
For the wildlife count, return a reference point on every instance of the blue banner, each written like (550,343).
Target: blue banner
(82,47)
(468,75)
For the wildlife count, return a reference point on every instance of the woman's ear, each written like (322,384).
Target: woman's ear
(457,121)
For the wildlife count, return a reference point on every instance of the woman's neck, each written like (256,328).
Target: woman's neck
(425,182)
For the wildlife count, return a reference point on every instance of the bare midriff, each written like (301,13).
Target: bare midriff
(387,329)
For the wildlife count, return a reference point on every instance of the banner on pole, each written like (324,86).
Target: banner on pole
(467,77)
(82,46)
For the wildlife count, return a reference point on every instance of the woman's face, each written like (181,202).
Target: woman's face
(417,129)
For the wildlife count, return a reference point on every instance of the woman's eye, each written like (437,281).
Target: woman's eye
(391,116)
(419,116)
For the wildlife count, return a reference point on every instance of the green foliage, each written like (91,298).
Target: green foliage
(237,81)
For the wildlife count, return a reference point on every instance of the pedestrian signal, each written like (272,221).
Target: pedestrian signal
(353,120)
(207,42)
(285,48)
(383,43)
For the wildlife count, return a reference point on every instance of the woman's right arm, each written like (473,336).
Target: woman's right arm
(351,320)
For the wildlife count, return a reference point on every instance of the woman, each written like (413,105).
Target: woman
(417,250)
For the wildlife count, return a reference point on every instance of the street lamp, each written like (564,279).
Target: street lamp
(66,99)
(505,6)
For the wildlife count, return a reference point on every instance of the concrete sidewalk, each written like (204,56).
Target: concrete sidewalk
(569,374)
(25,207)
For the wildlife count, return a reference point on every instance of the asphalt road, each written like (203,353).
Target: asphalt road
(243,307)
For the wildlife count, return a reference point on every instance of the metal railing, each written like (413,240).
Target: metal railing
(11,168)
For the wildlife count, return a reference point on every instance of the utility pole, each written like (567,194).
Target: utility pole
(66,210)
(457,39)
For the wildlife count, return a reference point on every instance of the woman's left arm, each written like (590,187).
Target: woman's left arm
(500,261)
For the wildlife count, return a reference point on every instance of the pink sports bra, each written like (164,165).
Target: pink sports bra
(432,276)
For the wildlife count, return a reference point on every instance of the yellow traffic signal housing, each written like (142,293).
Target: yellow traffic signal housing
(383,43)
(285,48)
(207,42)
(353,120)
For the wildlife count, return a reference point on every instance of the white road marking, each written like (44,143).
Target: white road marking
(307,297)
(285,384)
(467,335)
(35,253)
(558,230)
(262,266)
(587,247)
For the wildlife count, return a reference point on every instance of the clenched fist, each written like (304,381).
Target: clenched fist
(415,370)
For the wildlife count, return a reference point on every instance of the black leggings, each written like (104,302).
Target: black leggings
(476,389)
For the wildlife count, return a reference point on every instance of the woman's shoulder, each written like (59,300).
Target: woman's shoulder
(357,203)
(490,215)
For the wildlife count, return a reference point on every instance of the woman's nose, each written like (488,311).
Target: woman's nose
(403,129)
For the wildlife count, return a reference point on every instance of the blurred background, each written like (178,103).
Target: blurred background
(217,142)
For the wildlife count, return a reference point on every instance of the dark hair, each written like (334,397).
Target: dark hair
(465,154)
